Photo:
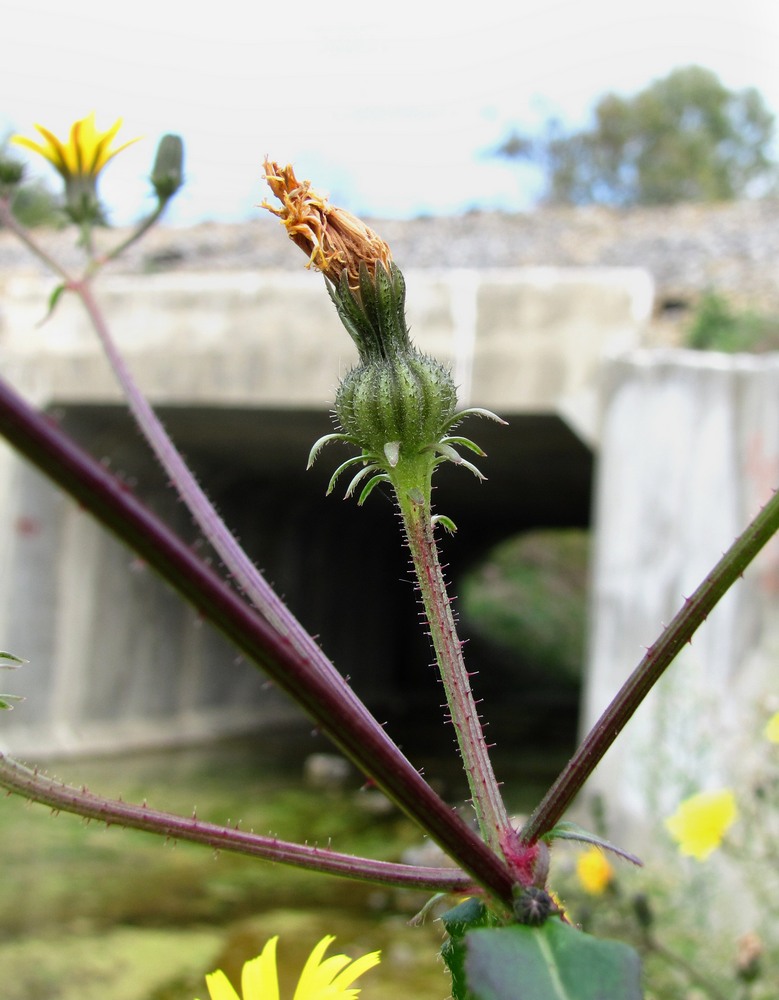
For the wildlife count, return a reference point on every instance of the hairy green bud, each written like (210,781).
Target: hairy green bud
(397,405)
(167,174)
(410,399)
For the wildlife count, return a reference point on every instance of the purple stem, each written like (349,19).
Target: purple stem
(658,658)
(244,573)
(372,751)
(59,796)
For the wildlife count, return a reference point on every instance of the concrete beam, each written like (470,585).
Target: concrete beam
(519,341)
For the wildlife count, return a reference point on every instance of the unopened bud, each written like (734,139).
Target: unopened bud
(167,175)
(409,400)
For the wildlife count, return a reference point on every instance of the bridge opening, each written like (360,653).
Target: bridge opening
(342,569)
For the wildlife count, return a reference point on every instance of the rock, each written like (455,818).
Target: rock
(327,771)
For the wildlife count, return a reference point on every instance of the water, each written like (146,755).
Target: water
(86,911)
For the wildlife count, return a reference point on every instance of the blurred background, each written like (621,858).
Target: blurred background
(396,112)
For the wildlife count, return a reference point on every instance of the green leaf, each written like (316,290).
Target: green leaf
(53,300)
(446,523)
(469,914)
(12,662)
(551,962)
(370,486)
(320,443)
(466,443)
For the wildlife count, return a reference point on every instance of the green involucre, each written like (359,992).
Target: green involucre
(397,406)
(410,399)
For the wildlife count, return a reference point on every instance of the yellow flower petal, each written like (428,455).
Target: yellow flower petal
(772,728)
(701,821)
(312,981)
(219,986)
(594,871)
(321,979)
(259,978)
(48,152)
(355,970)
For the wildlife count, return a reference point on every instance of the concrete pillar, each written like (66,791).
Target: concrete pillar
(689,453)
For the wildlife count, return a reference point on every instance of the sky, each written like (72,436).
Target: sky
(392,108)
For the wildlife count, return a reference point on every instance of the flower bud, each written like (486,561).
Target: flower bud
(375,314)
(167,175)
(409,399)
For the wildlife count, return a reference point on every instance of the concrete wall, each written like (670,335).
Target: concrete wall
(689,453)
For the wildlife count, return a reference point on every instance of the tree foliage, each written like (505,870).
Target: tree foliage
(686,137)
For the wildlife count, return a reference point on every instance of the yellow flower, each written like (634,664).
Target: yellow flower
(79,162)
(701,821)
(321,979)
(771,730)
(594,871)
(84,154)
(333,239)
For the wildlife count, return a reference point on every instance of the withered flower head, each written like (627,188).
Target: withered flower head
(334,240)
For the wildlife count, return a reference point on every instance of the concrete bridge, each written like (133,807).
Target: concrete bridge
(243,367)
(678,449)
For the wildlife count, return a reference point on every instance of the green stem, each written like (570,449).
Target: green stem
(658,658)
(485,792)
(142,227)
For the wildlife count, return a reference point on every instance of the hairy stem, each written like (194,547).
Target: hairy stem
(243,571)
(368,746)
(140,230)
(9,220)
(658,658)
(485,793)
(61,797)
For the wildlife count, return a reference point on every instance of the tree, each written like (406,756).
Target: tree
(686,137)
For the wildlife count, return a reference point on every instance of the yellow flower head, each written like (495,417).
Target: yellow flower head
(321,979)
(772,729)
(594,871)
(79,162)
(701,821)
(333,239)
(84,154)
